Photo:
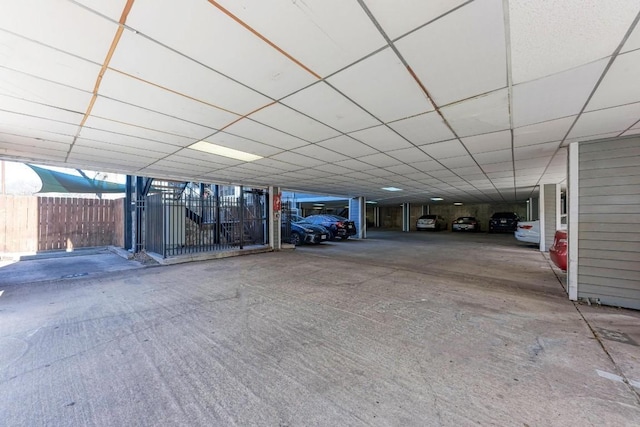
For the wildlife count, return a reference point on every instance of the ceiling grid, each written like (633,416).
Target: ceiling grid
(449,99)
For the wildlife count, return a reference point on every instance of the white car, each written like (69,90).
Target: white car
(431,222)
(528,231)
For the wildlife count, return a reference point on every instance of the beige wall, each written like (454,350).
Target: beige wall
(391,216)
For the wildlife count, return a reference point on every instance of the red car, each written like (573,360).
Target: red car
(558,252)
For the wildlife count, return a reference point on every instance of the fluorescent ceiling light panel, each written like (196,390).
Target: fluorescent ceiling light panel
(437,199)
(392,188)
(458,204)
(219,150)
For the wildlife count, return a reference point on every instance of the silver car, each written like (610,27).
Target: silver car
(431,222)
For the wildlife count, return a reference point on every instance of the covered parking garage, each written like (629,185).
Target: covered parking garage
(473,102)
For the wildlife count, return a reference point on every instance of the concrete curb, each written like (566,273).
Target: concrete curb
(206,256)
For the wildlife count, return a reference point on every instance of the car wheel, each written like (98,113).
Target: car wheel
(295,239)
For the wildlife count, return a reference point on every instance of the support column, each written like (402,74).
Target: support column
(275,231)
(572,221)
(406,217)
(549,206)
(358,214)
(128,212)
(376,216)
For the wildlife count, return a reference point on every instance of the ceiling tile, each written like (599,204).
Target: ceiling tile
(471,62)
(120,140)
(36,134)
(85,34)
(536,28)
(32,109)
(458,162)
(297,159)
(381,138)
(484,114)
(620,84)
(401,169)
(133,91)
(26,56)
(559,95)
(617,119)
(443,150)
(498,167)
(380,160)
(325,40)
(32,89)
(114,110)
(173,23)
(410,155)
(488,142)
(347,146)
(423,129)
(106,125)
(243,144)
(25,144)
(321,153)
(554,130)
(9,120)
(288,120)
(147,60)
(493,157)
(326,105)
(381,85)
(533,151)
(398,18)
(633,42)
(258,132)
(111,9)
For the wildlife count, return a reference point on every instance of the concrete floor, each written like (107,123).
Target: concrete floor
(421,329)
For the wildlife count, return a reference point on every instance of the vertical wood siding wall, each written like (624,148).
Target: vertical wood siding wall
(29,224)
(18,224)
(609,222)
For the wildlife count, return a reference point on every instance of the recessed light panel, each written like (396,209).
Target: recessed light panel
(219,150)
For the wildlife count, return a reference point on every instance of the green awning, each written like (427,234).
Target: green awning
(58,182)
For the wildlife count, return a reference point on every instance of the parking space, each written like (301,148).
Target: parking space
(398,329)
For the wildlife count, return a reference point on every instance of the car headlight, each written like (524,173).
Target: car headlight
(307,230)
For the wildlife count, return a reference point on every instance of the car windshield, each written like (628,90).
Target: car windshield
(428,217)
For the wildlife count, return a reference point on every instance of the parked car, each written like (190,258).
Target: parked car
(528,232)
(431,222)
(503,221)
(558,251)
(336,225)
(465,223)
(307,233)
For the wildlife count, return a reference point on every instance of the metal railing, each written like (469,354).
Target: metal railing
(200,222)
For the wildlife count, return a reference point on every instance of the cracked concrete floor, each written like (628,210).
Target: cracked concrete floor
(420,329)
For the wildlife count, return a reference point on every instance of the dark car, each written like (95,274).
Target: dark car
(465,223)
(503,221)
(307,233)
(337,225)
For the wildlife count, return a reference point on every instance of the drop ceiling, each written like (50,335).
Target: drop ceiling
(471,101)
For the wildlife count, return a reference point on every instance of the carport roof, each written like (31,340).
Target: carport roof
(465,100)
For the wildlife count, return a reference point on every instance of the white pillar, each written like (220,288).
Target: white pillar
(275,234)
(550,210)
(406,217)
(572,221)
(358,214)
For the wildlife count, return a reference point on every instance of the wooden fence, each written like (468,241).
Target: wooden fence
(32,223)
(18,223)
